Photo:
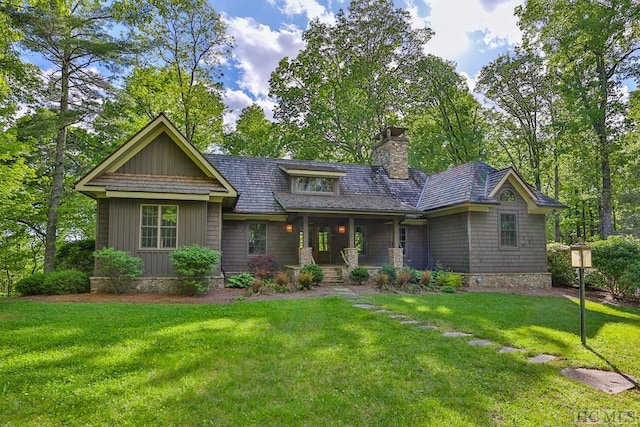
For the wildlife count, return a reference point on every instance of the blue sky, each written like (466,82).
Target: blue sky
(469,32)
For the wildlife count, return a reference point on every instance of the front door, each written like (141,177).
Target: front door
(322,244)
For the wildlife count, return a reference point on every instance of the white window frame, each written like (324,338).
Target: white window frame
(158,227)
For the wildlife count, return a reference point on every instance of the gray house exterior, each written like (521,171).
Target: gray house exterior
(157,192)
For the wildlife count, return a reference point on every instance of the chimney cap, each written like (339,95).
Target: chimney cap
(390,131)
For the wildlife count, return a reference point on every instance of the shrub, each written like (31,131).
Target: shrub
(194,263)
(76,255)
(613,257)
(263,266)
(242,280)
(413,274)
(559,264)
(594,279)
(257,285)
(305,280)
(381,281)
(629,282)
(65,282)
(315,271)
(282,279)
(453,280)
(359,275)
(425,278)
(30,285)
(118,266)
(389,271)
(403,278)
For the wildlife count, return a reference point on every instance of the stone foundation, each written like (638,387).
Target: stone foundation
(169,285)
(508,280)
(305,256)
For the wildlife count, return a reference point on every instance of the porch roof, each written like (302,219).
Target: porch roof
(344,203)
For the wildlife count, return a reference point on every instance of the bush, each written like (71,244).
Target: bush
(194,263)
(305,280)
(389,271)
(413,274)
(381,281)
(559,264)
(315,271)
(242,280)
(65,282)
(30,285)
(359,275)
(282,279)
(118,266)
(76,255)
(264,266)
(425,278)
(613,257)
(593,279)
(630,280)
(257,286)
(403,278)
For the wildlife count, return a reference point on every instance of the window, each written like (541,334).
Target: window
(257,238)
(508,230)
(403,239)
(361,239)
(507,196)
(158,226)
(305,184)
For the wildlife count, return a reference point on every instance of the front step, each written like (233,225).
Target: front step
(332,275)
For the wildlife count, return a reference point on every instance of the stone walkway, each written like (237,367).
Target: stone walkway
(610,382)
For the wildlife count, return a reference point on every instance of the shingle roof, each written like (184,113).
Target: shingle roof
(264,188)
(156,183)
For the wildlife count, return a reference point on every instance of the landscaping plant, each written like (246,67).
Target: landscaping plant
(30,285)
(359,275)
(315,271)
(613,258)
(119,267)
(65,282)
(194,263)
(242,280)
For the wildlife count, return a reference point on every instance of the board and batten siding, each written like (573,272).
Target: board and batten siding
(415,251)
(124,226)
(448,242)
(281,245)
(102,223)
(530,255)
(161,157)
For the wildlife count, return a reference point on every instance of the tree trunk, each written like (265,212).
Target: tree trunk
(556,195)
(58,174)
(605,220)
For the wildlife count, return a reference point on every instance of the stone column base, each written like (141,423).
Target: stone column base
(305,256)
(396,258)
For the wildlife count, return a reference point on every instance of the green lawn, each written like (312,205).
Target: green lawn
(315,361)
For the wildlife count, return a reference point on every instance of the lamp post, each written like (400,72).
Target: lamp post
(581,259)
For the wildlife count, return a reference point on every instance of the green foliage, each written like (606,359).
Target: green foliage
(252,126)
(629,283)
(242,280)
(305,280)
(389,271)
(119,267)
(30,285)
(282,279)
(559,264)
(195,263)
(359,275)
(593,279)
(65,282)
(403,278)
(425,278)
(381,281)
(315,271)
(613,257)
(76,255)
(263,266)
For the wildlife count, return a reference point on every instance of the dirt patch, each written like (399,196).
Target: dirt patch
(228,295)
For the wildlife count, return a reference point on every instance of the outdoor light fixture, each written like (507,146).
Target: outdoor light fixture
(342,229)
(288,228)
(581,259)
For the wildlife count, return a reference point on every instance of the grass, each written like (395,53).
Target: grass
(307,362)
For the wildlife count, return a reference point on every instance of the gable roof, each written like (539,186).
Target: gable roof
(105,180)
(477,183)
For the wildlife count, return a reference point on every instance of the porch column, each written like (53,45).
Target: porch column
(305,253)
(395,252)
(305,231)
(352,233)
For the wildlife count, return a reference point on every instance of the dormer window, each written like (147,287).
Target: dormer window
(308,184)
(507,196)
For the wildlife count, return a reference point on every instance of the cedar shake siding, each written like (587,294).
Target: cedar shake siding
(448,242)
(124,226)
(529,256)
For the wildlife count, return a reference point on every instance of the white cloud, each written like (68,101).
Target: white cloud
(237,100)
(454,21)
(311,9)
(259,49)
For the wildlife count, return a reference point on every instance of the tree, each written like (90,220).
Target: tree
(254,135)
(591,47)
(73,37)
(183,43)
(348,81)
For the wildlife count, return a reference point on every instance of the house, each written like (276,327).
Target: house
(157,192)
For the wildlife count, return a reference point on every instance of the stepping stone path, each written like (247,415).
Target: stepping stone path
(456,334)
(609,382)
(480,343)
(541,358)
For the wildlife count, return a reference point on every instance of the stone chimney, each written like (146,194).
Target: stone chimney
(392,152)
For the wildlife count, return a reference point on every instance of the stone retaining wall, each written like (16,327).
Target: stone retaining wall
(508,280)
(151,284)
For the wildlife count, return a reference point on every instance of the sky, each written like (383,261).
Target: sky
(471,33)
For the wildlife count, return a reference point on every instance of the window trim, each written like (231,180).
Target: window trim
(516,244)
(266,239)
(158,227)
(402,242)
(508,191)
(363,231)
(295,190)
